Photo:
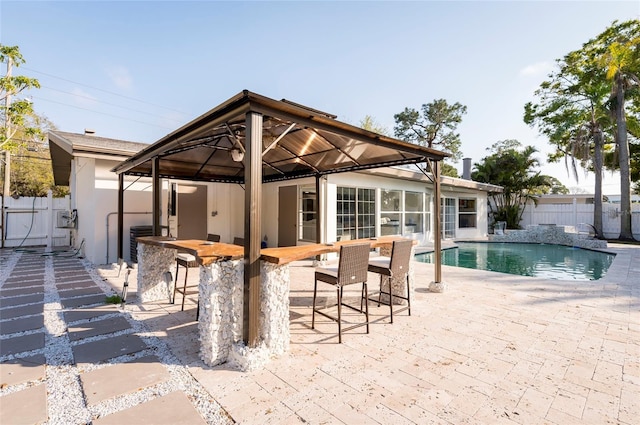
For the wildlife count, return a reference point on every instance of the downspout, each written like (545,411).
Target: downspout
(107,229)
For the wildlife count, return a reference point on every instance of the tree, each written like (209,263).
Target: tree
(449,170)
(23,134)
(31,171)
(513,167)
(581,109)
(570,111)
(434,126)
(14,111)
(618,50)
(370,123)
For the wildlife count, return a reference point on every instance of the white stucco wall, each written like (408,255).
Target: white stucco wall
(96,199)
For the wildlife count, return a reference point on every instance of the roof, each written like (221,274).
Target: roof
(413,175)
(64,146)
(297,142)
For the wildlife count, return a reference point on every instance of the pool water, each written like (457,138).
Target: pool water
(523,259)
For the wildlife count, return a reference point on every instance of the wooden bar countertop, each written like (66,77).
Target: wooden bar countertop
(211,252)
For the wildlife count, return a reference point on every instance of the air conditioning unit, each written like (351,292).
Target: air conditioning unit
(66,219)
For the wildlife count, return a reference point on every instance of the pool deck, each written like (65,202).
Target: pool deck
(493,348)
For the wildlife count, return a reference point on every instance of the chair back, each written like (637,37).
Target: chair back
(353,263)
(400,257)
(213,238)
(238,241)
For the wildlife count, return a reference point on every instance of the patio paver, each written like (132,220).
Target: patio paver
(81,301)
(99,351)
(114,380)
(21,344)
(27,310)
(85,313)
(98,327)
(171,409)
(22,370)
(6,301)
(21,324)
(78,292)
(28,406)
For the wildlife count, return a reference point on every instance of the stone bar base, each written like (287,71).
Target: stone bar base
(156,271)
(221,311)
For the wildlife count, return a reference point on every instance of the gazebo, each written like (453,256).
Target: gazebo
(252,139)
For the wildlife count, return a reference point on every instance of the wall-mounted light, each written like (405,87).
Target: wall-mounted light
(237,155)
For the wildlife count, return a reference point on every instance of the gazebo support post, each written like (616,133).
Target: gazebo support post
(120,219)
(157,191)
(252,228)
(437,285)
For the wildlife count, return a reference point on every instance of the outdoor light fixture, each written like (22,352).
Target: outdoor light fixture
(237,155)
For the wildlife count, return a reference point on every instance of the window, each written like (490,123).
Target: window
(467,214)
(366,223)
(390,212)
(356,213)
(414,212)
(448,214)
(307,214)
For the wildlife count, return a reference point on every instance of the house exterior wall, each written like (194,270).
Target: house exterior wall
(95,191)
(359,180)
(96,199)
(226,210)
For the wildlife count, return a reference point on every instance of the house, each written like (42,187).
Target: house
(365,203)
(82,162)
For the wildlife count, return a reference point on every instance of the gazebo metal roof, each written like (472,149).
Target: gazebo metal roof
(297,142)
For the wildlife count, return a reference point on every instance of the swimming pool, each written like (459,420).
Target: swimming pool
(523,259)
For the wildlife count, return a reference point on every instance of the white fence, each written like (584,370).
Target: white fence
(574,214)
(32,221)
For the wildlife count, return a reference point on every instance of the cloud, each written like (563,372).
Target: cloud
(83,98)
(536,69)
(120,77)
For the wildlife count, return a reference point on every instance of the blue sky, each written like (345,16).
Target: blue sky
(138,70)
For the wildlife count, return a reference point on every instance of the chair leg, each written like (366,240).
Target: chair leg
(366,305)
(408,295)
(313,311)
(175,284)
(390,300)
(184,288)
(380,293)
(339,294)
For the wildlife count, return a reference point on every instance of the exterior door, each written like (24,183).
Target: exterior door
(288,216)
(192,212)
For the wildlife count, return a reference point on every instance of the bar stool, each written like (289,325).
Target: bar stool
(187,261)
(392,268)
(352,268)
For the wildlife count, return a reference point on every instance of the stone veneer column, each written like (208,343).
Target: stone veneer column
(220,322)
(154,263)
(274,307)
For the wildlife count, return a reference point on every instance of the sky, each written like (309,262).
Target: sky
(137,71)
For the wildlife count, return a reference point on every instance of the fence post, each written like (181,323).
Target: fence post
(575,212)
(50,220)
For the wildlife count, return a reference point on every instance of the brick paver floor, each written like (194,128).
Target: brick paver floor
(493,348)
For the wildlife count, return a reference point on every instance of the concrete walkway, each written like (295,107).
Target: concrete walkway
(494,348)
